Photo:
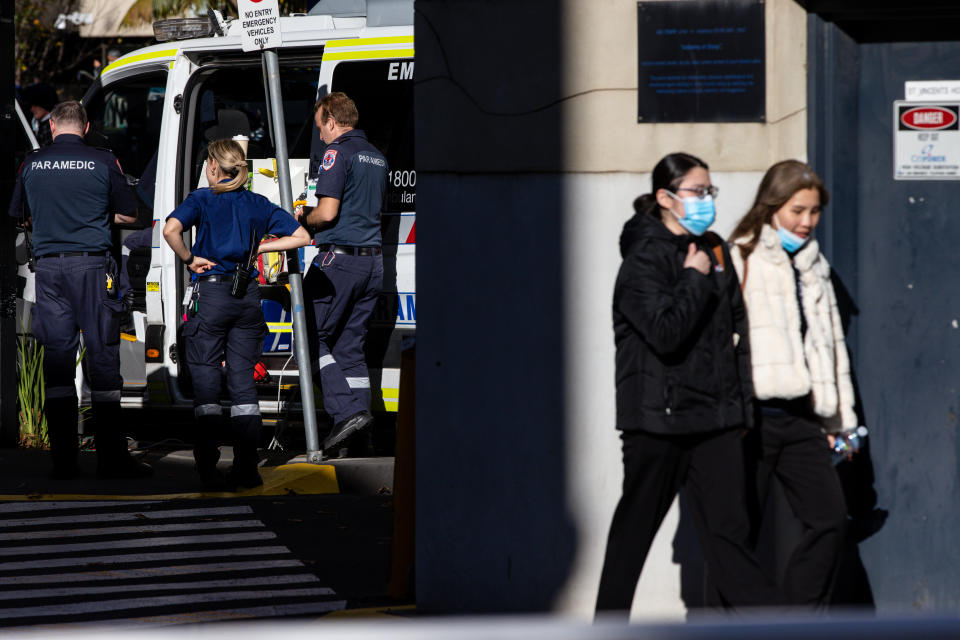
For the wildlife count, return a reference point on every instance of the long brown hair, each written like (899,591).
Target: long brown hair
(781,181)
(233,164)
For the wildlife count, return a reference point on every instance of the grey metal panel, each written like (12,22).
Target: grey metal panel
(833,95)
(909,356)
(893,244)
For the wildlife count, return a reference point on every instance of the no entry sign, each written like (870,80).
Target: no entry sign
(260,20)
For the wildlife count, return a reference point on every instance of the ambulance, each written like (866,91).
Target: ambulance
(159,106)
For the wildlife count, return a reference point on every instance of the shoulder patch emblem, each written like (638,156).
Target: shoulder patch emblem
(329,158)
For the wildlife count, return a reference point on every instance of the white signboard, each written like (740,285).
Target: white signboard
(260,21)
(926,140)
(931,90)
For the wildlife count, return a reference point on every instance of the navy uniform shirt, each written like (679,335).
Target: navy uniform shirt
(354,172)
(71,191)
(228,222)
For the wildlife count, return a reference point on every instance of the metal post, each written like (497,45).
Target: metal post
(293,261)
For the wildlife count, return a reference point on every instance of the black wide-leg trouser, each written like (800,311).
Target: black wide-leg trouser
(710,467)
(796,451)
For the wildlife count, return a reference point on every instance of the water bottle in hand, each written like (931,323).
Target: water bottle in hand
(848,443)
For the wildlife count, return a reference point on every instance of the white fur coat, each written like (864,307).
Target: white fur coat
(784,364)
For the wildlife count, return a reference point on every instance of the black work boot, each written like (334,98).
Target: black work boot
(346,428)
(246,435)
(61,416)
(113,458)
(206,453)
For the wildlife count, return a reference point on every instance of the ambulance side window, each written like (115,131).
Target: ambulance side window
(125,117)
(383,93)
(230,100)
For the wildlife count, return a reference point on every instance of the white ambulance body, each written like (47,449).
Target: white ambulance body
(172,98)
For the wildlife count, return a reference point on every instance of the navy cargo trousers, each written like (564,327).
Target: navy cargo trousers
(341,291)
(225,330)
(73,297)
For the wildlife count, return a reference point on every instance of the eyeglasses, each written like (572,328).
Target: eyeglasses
(702,192)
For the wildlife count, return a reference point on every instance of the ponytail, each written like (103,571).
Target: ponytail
(647,204)
(232,163)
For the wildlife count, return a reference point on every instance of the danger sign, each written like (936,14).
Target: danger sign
(926,141)
(260,21)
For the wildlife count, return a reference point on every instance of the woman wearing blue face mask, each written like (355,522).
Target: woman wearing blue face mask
(801,370)
(683,389)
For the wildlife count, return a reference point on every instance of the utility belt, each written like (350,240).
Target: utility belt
(217,278)
(109,265)
(239,281)
(71,254)
(347,250)
(238,289)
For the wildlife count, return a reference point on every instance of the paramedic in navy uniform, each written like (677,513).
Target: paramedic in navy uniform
(72,193)
(345,278)
(228,220)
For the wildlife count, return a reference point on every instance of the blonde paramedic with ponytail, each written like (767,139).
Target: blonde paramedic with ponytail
(224,319)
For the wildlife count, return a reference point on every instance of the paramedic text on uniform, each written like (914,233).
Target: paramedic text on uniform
(72,193)
(346,277)
(229,221)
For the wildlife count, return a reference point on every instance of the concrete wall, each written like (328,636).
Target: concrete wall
(529,157)
(600,75)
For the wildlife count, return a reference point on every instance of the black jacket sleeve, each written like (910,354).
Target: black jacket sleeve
(742,349)
(664,313)
(123,199)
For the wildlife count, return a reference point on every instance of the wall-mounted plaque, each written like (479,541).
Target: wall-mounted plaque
(701,61)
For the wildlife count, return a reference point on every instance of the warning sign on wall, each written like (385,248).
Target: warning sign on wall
(926,141)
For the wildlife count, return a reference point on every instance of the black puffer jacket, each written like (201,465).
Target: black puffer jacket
(683,360)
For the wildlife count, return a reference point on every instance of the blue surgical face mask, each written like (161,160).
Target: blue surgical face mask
(700,213)
(790,241)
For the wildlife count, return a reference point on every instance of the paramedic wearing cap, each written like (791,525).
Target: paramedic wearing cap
(71,193)
(229,220)
(345,278)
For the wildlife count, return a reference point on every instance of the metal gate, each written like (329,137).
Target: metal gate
(894,244)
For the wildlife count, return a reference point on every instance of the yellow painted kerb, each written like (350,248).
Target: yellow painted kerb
(153,55)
